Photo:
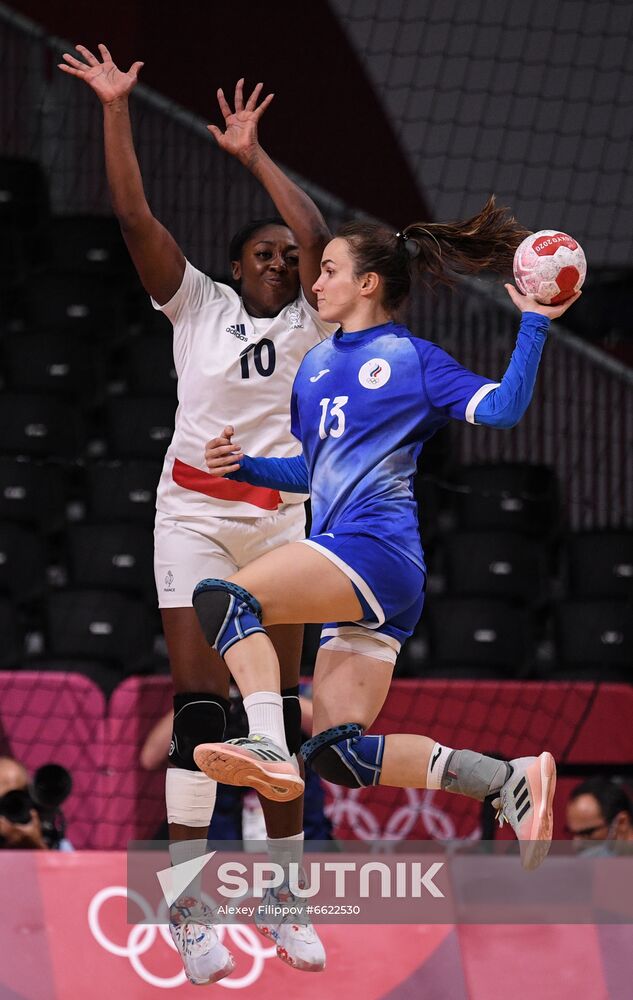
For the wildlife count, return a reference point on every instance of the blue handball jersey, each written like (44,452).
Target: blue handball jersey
(362,406)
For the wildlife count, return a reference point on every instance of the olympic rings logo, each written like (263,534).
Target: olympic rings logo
(345,806)
(142,937)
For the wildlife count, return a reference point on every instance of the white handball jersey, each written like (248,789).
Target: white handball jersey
(232,369)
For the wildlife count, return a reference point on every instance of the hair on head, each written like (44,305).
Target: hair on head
(433,251)
(244,234)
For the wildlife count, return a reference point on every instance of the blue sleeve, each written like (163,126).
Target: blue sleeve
(288,475)
(449,386)
(504,405)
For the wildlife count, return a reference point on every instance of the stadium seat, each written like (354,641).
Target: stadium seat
(139,427)
(600,564)
(22,562)
(117,556)
(54,363)
(149,365)
(40,425)
(11,646)
(77,303)
(122,491)
(507,497)
(595,634)
(99,625)
(495,564)
(32,493)
(477,637)
(90,244)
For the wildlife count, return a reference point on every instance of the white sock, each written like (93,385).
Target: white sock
(437,764)
(265,711)
(285,850)
(187,850)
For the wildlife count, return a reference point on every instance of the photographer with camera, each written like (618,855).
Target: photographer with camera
(30,814)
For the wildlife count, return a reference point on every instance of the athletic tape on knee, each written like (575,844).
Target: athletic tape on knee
(198,718)
(292,718)
(227,613)
(345,756)
(189,797)
(360,641)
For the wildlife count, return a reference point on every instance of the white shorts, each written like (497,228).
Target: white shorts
(189,549)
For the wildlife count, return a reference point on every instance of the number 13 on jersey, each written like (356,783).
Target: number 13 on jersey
(336,412)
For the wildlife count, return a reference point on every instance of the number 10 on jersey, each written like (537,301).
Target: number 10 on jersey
(335,412)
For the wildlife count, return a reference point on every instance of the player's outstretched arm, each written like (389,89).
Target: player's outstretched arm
(240,139)
(157,257)
(224,457)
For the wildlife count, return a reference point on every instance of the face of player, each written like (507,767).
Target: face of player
(268,271)
(338,291)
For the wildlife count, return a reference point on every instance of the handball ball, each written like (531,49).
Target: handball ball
(549,265)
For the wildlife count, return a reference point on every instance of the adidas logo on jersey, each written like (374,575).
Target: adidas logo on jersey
(238,330)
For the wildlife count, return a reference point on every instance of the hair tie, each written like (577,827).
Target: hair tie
(411,245)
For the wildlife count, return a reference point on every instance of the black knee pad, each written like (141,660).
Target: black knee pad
(198,718)
(226,612)
(292,718)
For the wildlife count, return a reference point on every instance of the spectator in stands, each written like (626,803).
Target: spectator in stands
(236,356)
(599,812)
(24,825)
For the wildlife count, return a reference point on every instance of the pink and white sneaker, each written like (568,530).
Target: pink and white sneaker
(525,801)
(253,761)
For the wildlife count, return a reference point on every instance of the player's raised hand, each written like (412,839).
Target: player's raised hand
(240,134)
(223,455)
(106,79)
(527,303)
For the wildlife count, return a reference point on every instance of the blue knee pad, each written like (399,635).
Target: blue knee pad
(345,756)
(227,613)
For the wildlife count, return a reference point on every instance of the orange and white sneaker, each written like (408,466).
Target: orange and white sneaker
(282,918)
(253,761)
(525,801)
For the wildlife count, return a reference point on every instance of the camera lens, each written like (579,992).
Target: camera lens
(16,806)
(52,784)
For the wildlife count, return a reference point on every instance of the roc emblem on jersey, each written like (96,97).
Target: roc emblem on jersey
(375,373)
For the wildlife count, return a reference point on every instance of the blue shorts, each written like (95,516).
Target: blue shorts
(389,585)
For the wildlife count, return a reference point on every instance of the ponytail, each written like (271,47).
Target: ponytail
(433,251)
(485,242)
